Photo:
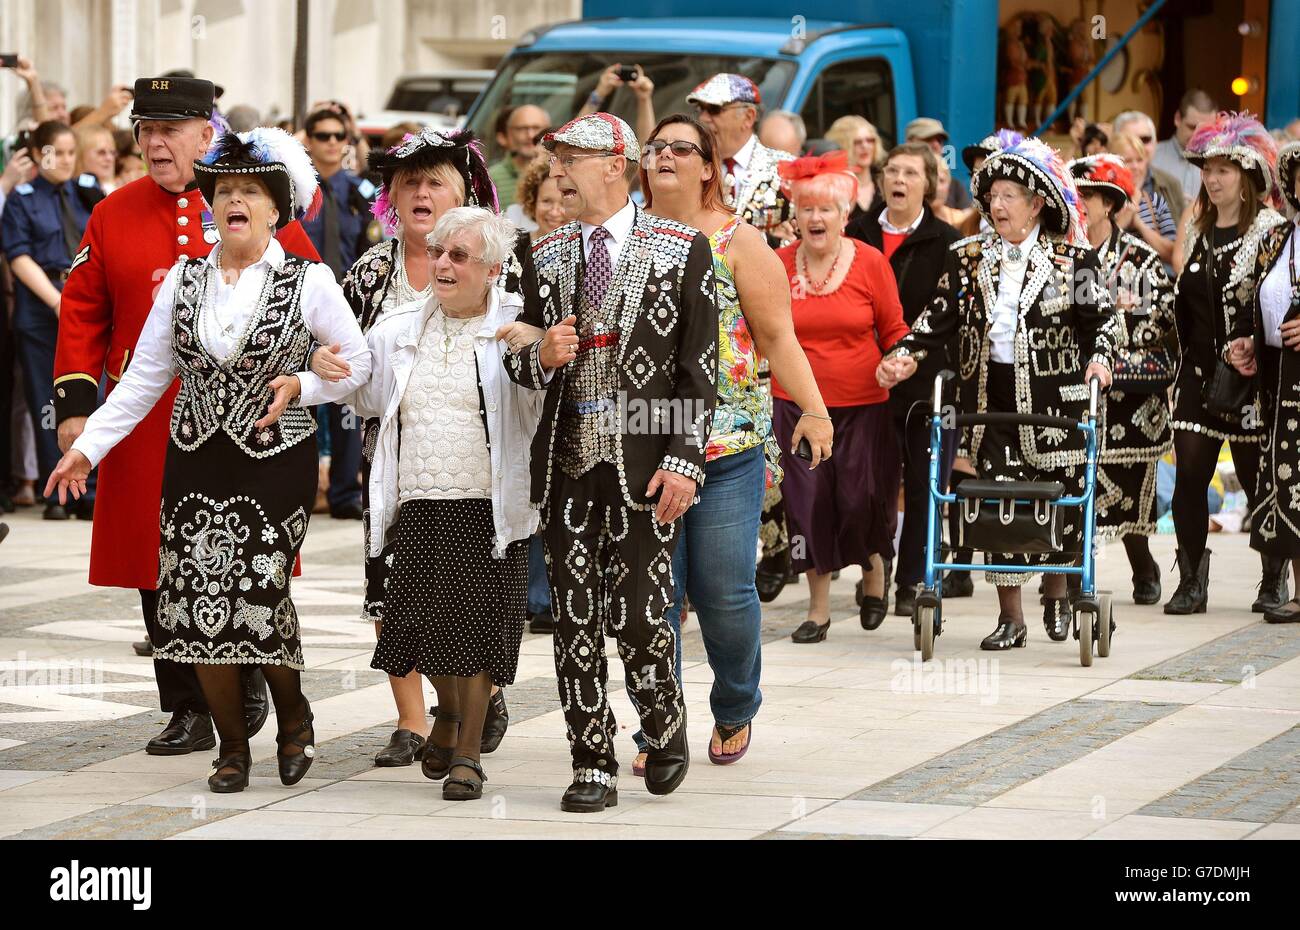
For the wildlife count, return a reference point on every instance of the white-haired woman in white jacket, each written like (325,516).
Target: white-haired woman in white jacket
(449,488)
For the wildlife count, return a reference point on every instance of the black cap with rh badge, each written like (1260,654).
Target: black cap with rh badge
(173,98)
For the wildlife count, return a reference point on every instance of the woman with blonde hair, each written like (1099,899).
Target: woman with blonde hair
(860,141)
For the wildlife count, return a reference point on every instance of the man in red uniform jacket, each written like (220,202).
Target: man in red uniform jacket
(130,244)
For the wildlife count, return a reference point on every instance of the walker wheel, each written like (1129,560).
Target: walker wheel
(1106,619)
(923,632)
(1085,621)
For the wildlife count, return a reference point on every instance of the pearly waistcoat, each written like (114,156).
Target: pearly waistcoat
(232,394)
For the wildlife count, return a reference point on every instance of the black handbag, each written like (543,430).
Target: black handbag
(1228,393)
(991,519)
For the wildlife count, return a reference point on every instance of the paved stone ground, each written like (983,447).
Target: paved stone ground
(1190,729)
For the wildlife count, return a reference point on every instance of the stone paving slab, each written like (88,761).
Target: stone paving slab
(123,823)
(1260,785)
(992,765)
(1233,657)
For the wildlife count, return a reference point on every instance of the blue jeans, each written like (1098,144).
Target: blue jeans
(539,589)
(714,563)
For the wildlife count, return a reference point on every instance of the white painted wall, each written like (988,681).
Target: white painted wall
(357,47)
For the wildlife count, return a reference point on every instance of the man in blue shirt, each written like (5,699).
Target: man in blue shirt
(339,233)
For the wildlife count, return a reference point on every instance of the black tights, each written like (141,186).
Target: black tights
(223,689)
(465,699)
(1197,455)
(1139,555)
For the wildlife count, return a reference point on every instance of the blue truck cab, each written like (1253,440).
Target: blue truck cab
(821,68)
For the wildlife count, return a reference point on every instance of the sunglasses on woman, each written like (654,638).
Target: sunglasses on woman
(457,256)
(330,136)
(680,148)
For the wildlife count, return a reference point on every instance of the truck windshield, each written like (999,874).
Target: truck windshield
(560,83)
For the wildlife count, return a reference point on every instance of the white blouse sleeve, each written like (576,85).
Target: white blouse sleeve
(149,374)
(330,320)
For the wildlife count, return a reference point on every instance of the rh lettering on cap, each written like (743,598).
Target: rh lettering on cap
(160,85)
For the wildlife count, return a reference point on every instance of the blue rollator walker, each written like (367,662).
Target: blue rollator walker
(1019,517)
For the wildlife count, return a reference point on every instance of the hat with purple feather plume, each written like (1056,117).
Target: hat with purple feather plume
(1036,166)
(1242,140)
(273,156)
(425,150)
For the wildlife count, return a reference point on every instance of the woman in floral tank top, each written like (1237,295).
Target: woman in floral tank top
(715,561)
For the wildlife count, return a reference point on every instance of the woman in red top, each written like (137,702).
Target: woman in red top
(846,315)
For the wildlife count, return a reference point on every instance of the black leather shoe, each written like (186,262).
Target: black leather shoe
(589,797)
(55,512)
(771,576)
(495,724)
(436,762)
(185,733)
(1193,591)
(1056,618)
(1147,590)
(905,601)
(811,632)
(143,648)
(541,623)
(404,747)
(1273,588)
(666,768)
(1007,635)
(872,612)
(294,767)
(351,511)
(234,781)
(958,584)
(257,707)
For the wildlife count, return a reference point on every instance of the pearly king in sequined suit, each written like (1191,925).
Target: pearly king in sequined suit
(638,398)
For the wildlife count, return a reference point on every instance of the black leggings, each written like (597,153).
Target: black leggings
(1197,455)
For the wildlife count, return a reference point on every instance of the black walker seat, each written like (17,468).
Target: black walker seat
(1011,490)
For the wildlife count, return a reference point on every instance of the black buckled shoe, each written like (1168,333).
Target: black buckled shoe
(905,601)
(495,723)
(958,584)
(872,612)
(184,733)
(294,767)
(257,705)
(811,632)
(1147,590)
(541,623)
(1056,618)
(666,768)
(771,575)
(230,782)
(464,789)
(1007,635)
(404,748)
(436,762)
(589,797)
(1273,588)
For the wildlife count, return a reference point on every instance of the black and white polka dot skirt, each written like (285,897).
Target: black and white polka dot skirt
(451,608)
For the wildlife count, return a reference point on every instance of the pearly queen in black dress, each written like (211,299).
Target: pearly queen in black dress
(236,499)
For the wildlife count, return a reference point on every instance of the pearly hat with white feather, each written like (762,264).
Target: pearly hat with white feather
(276,158)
